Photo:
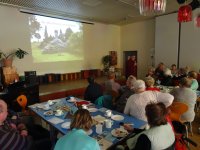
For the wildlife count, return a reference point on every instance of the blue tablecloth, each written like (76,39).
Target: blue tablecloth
(101,111)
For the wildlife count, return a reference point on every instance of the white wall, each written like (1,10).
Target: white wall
(99,39)
(190,44)
(166,39)
(139,36)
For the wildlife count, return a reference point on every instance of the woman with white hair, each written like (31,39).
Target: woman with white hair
(137,102)
(167,79)
(126,92)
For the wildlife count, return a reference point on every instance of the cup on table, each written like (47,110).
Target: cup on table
(99,128)
(108,113)
(50,102)
(84,106)
(108,123)
(46,106)
(59,112)
(72,99)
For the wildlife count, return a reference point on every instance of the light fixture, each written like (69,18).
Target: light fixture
(185,13)
(197,21)
(152,7)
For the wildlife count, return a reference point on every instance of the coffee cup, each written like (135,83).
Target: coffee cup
(46,106)
(108,123)
(99,128)
(84,106)
(50,102)
(108,113)
(72,99)
(59,112)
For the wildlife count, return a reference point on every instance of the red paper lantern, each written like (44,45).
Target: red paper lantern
(197,21)
(185,13)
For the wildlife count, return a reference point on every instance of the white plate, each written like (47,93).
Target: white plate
(117,117)
(46,108)
(48,113)
(66,125)
(92,109)
(40,106)
(89,132)
(119,132)
(72,100)
(59,114)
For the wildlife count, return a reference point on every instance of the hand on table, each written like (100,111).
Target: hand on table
(128,127)
(21,126)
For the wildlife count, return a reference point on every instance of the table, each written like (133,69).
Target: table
(101,111)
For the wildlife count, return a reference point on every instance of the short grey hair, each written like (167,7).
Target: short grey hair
(139,84)
(131,80)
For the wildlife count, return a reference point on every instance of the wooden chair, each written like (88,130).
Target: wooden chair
(177,109)
(22,101)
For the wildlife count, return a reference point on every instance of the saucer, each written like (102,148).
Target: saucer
(46,108)
(59,114)
(48,113)
(92,109)
(66,125)
(119,132)
(117,117)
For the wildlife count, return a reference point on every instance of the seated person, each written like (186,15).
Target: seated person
(185,94)
(93,91)
(159,72)
(11,136)
(167,78)
(38,135)
(111,85)
(159,136)
(174,70)
(193,76)
(78,139)
(137,102)
(150,84)
(151,72)
(126,92)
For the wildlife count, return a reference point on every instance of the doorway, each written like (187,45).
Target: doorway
(130,63)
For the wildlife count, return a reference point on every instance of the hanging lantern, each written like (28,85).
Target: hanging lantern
(197,21)
(185,13)
(152,7)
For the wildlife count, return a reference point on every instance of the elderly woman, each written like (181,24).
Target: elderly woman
(159,136)
(150,84)
(78,139)
(167,79)
(110,84)
(193,76)
(151,72)
(137,102)
(186,95)
(126,92)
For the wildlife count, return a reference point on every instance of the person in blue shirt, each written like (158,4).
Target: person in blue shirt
(78,139)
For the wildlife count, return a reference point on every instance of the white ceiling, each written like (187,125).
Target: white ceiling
(117,12)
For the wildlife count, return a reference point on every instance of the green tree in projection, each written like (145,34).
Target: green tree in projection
(34,26)
(37,35)
(45,33)
(46,38)
(75,43)
(61,36)
(68,33)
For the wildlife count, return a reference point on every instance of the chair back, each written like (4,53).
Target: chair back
(177,109)
(22,101)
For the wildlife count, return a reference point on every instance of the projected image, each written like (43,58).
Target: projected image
(55,40)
